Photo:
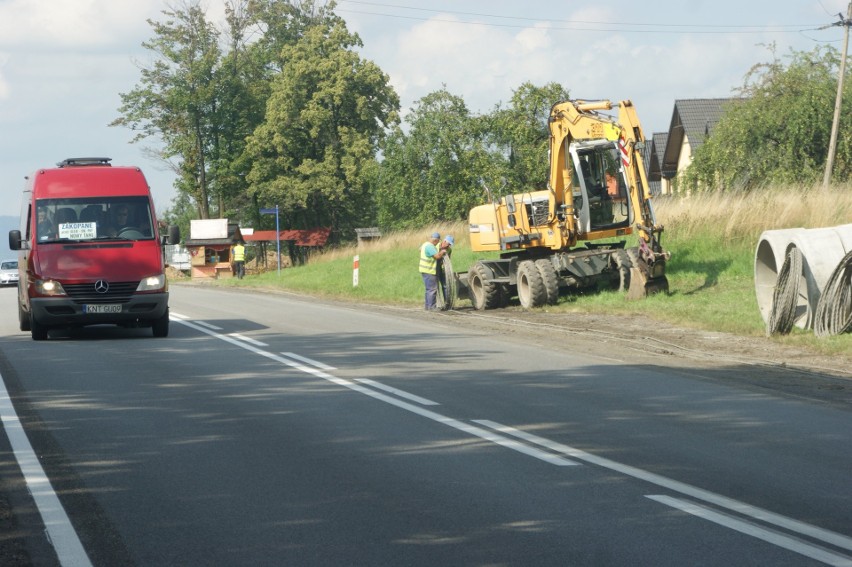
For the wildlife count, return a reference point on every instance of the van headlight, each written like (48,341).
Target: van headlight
(49,288)
(153,283)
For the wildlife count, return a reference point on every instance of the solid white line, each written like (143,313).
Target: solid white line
(60,532)
(316,363)
(208,325)
(821,534)
(247,339)
(775,538)
(398,392)
(454,423)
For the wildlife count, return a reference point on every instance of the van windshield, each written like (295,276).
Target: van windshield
(93,218)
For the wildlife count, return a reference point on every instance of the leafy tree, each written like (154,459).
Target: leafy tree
(432,173)
(313,154)
(520,134)
(778,133)
(175,98)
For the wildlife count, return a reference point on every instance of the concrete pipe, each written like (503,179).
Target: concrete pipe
(822,250)
(768,259)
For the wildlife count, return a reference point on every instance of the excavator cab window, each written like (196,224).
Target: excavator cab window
(605,202)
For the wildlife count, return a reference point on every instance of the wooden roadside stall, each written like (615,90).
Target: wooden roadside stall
(209,246)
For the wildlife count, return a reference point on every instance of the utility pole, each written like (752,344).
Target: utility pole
(832,145)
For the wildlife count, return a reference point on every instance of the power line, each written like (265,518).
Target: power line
(579,25)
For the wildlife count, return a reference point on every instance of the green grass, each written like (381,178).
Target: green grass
(710,273)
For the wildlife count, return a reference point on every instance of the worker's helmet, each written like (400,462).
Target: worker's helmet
(449,240)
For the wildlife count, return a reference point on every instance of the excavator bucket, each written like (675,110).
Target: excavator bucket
(643,283)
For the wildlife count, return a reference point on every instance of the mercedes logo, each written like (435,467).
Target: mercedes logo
(101,286)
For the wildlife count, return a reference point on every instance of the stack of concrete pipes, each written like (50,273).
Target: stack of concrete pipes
(804,276)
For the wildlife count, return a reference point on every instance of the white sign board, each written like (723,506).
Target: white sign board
(78,230)
(208,229)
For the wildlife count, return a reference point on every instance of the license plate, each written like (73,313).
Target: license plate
(102,308)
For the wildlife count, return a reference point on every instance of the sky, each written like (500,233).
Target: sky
(64,63)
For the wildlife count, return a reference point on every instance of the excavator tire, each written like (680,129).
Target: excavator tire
(484,293)
(447,291)
(550,280)
(531,290)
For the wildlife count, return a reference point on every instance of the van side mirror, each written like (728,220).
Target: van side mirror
(174,234)
(14,240)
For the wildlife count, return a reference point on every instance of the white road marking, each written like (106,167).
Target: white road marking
(60,532)
(398,392)
(802,528)
(309,361)
(454,423)
(773,537)
(247,339)
(203,324)
(742,508)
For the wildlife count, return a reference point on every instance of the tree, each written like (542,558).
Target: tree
(432,173)
(778,133)
(520,134)
(175,100)
(327,112)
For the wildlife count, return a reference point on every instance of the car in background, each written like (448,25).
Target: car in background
(9,272)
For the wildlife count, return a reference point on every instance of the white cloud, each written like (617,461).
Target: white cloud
(83,23)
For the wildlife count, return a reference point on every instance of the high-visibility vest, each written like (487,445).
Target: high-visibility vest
(239,253)
(428,264)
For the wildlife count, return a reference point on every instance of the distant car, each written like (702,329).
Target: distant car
(9,272)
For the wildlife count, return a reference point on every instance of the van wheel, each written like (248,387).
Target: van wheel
(38,331)
(161,326)
(23,319)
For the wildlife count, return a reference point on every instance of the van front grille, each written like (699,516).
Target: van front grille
(117,292)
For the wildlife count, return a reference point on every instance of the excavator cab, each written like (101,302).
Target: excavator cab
(599,188)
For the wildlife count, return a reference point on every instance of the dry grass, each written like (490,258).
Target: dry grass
(738,216)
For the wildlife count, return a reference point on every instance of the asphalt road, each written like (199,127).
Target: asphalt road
(274,430)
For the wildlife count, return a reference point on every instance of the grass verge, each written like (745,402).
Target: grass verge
(712,239)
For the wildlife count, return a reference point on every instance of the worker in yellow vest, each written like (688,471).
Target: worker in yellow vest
(239,255)
(429,256)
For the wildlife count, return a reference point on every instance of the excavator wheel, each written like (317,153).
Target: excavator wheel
(447,291)
(531,290)
(483,292)
(550,280)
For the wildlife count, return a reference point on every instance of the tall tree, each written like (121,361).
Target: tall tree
(778,133)
(175,100)
(433,172)
(328,110)
(520,134)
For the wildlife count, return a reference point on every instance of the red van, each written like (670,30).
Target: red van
(89,250)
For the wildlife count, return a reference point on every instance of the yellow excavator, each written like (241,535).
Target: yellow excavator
(597,194)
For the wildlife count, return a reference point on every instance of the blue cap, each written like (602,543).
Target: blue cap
(436,235)
(449,239)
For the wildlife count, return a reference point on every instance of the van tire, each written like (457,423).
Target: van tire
(38,331)
(160,327)
(23,319)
